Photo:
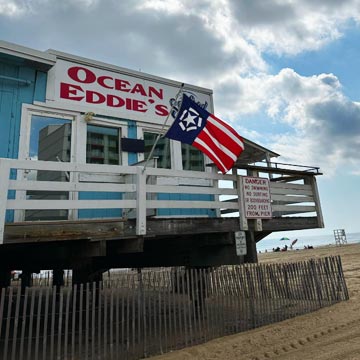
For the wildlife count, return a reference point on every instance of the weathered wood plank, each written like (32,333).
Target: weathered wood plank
(317,202)
(70,204)
(190,190)
(67,230)
(16,325)
(291,199)
(141,203)
(4,176)
(282,191)
(192,204)
(68,186)
(308,171)
(295,209)
(189,174)
(67,166)
(125,229)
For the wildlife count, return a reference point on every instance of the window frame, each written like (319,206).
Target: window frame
(175,147)
(119,135)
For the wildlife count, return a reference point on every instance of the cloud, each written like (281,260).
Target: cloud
(187,40)
(290,27)
(11,8)
(196,41)
(222,45)
(224,34)
(325,124)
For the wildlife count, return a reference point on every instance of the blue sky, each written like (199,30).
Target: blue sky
(337,57)
(285,73)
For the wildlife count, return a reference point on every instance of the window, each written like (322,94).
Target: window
(162,149)
(192,158)
(50,140)
(102,145)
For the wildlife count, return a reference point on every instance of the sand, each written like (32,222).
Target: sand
(328,334)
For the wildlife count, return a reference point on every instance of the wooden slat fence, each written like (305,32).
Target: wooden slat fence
(150,312)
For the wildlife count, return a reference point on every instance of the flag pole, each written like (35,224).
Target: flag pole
(162,128)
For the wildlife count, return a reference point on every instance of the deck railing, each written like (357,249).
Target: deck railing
(140,191)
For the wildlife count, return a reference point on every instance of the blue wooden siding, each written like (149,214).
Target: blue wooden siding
(99,213)
(186,212)
(13,94)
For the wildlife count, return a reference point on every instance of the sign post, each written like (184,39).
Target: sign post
(256,205)
(240,243)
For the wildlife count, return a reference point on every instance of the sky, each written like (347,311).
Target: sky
(284,73)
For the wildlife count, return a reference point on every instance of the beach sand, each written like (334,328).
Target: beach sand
(328,334)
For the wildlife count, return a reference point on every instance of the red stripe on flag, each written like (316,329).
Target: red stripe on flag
(215,150)
(220,142)
(225,125)
(225,134)
(202,146)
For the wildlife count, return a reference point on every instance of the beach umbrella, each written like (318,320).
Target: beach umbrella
(294,242)
(284,238)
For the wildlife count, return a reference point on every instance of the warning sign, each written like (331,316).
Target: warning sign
(256,195)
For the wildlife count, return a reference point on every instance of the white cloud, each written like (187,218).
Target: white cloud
(219,44)
(290,27)
(11,8)
(243,30)
(325,124)
(199,41)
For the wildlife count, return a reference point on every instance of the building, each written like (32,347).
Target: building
(78,192)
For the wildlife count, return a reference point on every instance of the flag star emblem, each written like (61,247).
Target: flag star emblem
(190,120)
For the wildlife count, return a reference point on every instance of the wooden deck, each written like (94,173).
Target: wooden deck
(121,229)
(115,244)
(142,236)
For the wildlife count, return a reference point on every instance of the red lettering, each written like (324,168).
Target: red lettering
(161,110)
(68,90)
(74,71)
(128,104)
(139,105)
(122,85)
(138,88)
(101,81)
(114,101)
(94,97)
(158,93)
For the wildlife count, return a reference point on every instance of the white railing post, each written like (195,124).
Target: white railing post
(215,184)
(4,184)
(317,201)
(241,203)
(140,201)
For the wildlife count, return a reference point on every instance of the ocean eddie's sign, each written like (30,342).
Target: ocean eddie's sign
(256,195)
(84,88)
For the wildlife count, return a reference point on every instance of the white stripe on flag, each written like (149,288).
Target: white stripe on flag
(221,147)
(210,150)
(222,128)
